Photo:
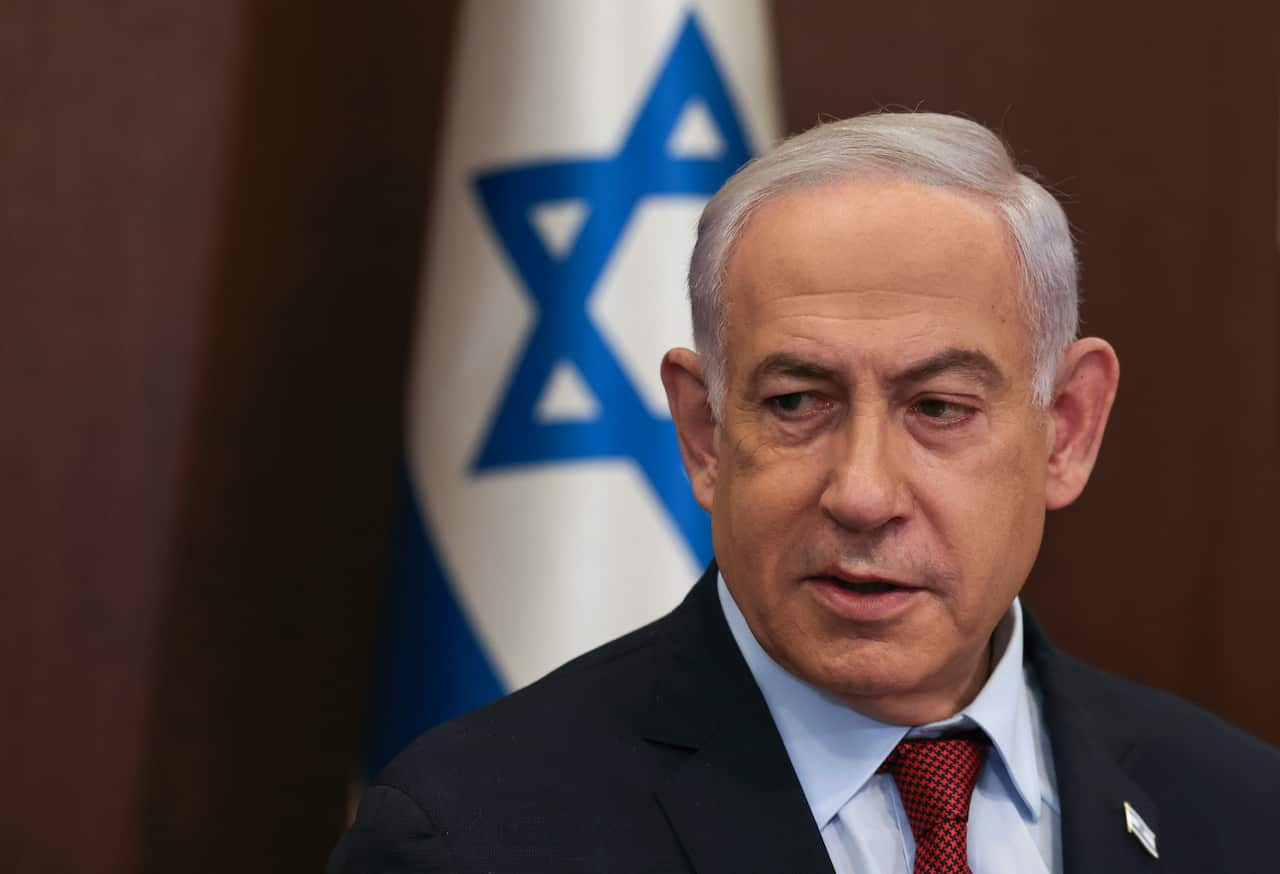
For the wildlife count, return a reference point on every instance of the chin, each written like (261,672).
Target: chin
(868,672)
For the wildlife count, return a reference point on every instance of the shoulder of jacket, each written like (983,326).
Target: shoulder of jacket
(1170,736)
(595,695)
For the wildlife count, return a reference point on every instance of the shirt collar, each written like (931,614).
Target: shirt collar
(835,749)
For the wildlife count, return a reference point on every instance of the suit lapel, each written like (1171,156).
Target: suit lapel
(733,800)
(1093,785)
(736,805)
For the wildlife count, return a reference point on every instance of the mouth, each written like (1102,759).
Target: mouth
(863,598)
(864,587)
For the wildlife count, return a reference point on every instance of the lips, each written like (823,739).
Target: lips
(862,597)
(868,587)
(869,584)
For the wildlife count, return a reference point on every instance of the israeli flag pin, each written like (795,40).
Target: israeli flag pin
(1140,830)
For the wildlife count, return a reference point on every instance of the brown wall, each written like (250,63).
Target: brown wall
(209,226)
(209,231)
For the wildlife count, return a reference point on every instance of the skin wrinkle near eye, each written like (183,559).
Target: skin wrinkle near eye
(966,364)
(922,334)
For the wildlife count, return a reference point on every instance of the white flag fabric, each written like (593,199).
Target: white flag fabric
(545,509)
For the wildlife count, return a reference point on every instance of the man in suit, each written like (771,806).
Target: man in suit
(888,394)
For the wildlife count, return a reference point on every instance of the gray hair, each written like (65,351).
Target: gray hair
(939,150)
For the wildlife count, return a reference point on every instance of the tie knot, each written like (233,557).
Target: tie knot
(935,777)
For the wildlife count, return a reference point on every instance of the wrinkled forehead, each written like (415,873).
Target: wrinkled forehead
(885,259)
(873,248)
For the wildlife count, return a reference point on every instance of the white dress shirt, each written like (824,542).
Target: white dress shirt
(835,750)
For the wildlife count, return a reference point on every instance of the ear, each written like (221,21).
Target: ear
(682,376)
(1086,389)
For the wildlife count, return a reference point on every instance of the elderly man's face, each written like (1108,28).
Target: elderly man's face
(878,494)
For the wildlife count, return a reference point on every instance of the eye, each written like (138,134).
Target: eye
(942,412)
(795,403)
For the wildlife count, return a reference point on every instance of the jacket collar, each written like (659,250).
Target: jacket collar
(1089,759)
(736,804)
(835,749)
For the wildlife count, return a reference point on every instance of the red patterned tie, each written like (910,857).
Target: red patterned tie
(935,778)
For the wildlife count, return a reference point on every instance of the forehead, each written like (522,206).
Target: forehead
(868,264)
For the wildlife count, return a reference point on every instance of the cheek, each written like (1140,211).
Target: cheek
(988,510)
(765,493)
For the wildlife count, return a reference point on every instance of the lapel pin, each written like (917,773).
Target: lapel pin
(1140,830)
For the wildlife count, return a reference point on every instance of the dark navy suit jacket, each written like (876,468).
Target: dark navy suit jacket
(657,753)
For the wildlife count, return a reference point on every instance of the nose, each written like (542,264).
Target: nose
(865,489)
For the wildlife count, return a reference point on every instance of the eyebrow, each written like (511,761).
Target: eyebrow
(786,364)
(965,362)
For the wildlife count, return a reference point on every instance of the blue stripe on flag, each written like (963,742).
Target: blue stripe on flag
(430,667)
(561,284)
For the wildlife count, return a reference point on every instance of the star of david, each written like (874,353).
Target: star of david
(560,283)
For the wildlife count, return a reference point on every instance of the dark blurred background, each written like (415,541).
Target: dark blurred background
(211,218)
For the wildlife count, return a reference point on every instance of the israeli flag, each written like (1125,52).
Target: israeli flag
(544,508)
